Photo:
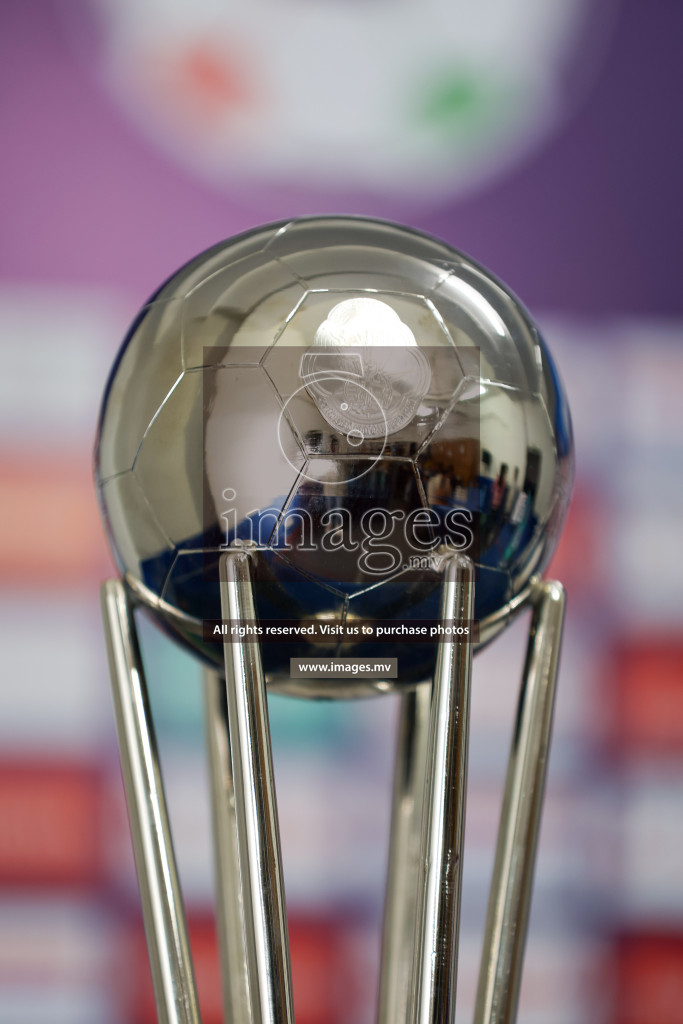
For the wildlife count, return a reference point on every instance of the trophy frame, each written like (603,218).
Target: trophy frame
(422,907)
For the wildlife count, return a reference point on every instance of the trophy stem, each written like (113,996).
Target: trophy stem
(434,972)
(162,906)
(229,908)
(400,910)
(258,836)
(510,897)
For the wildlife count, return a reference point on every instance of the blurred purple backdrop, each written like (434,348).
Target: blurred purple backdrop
(586,227)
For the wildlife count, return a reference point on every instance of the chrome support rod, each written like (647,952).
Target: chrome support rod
(434,972)
(162,906)
(510,897)
(400,907)
(229,908)
(266,936)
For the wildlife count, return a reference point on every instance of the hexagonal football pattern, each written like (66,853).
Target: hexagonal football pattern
(212,433)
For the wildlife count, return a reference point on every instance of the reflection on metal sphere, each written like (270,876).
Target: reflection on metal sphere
(349,395)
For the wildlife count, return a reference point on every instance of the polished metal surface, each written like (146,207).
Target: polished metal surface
(400,908)
(335,421)
(420,947)
(511,886)
(229,908)
(222,421)
(267,961)
(164,916)
(435,962)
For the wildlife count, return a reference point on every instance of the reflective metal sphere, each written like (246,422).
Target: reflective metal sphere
(350,396)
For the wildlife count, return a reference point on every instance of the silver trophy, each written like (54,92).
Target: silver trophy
(334,459)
